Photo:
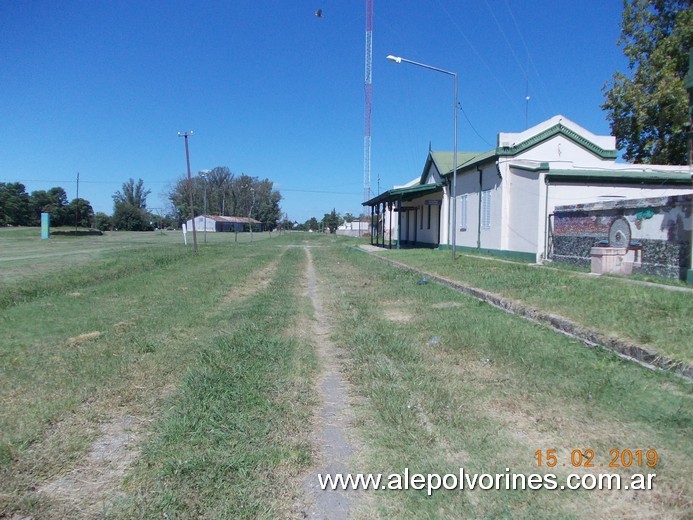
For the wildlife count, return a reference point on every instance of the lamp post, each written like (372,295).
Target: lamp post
(203,174)
(190,187)
(398,59)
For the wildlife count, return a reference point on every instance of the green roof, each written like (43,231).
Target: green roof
(404,194)
(444,162)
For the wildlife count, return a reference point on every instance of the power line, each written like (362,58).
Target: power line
(529,57)
(319,191)
(7,179)
(478,55)
(471,125)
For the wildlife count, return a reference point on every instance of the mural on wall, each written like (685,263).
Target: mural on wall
(660,229)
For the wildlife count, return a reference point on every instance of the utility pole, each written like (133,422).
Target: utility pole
(185,135)
(77,205)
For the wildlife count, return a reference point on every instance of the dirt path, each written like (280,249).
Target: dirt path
(92,486)
(333,421)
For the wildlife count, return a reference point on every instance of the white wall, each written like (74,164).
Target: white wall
(492,237)
(524,211)
(561,149)
(423,233)
(468,184)
(200,222)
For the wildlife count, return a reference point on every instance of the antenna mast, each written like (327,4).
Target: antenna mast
(368,103)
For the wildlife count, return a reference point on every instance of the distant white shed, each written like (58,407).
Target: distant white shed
(217,223)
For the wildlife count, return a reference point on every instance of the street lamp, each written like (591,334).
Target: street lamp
(398,59)
(190,187)
(203,174)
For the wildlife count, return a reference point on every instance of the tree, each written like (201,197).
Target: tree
(332,221)
(648,112)
(128,217)
(133,194)
(80,212)
(130,207)
(54,202)
(39,202)
(219,182)
(227,194)
(266,208)
(14,204)
(102,222)
(312,224)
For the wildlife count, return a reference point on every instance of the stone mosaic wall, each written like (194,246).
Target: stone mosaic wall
(660,226)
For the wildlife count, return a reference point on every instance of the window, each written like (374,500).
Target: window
(429,216)
(486,209)
(462,212)
(421,223)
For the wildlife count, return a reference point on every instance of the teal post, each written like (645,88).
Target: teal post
(689,139)
(45,225)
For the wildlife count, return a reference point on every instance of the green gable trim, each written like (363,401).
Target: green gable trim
(620,177)
(555,130)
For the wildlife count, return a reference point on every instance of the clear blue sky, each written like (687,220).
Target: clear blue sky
(270,90)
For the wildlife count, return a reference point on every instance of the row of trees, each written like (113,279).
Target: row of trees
(330,222)
(19,208)
(215,192)
(227,194)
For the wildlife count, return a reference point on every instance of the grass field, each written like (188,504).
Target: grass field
(650,316)
(140,381)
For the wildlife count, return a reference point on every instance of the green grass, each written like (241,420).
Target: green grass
(161,327)
(236,433)
(492,392)
(210,353)
(648,316)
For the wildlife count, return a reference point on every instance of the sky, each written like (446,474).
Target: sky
(269,89)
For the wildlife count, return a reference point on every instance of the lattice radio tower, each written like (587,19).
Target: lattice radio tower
(368,103)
